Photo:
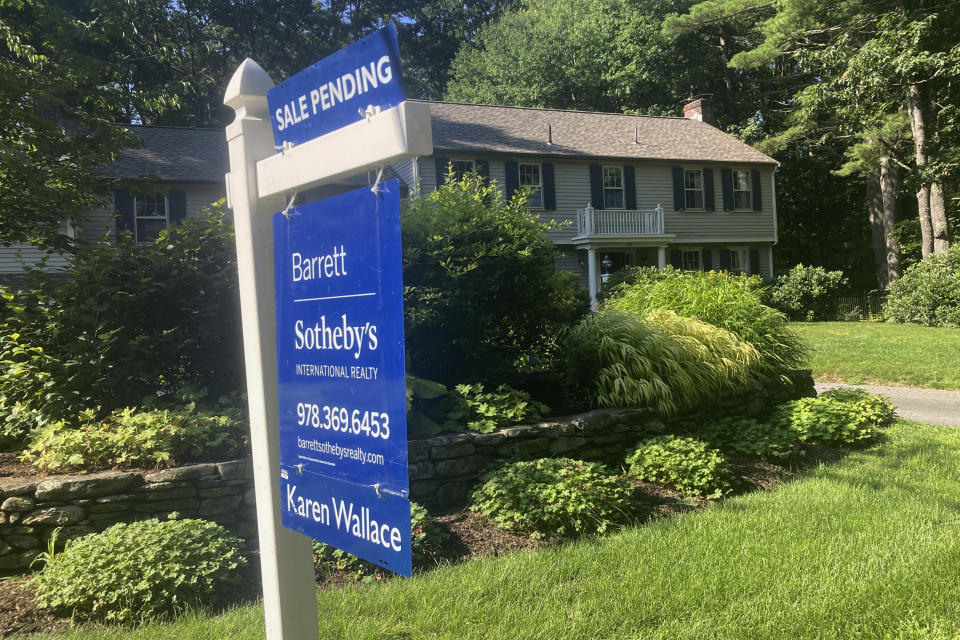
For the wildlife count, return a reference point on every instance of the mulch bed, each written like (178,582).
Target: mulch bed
(19,612)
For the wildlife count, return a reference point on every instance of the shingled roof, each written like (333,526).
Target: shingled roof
(521,130)
(174,154)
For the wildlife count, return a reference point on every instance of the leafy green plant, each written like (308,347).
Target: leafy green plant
(807,293)
(132,572)
(929,292)
(426,538)
(130,437)
(838,417)
(555,496)
(503,407)
(688,465)
(750,438)
(731,302)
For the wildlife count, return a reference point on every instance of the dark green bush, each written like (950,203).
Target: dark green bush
(155,438)
(122,321)
(807,293)
(838,417)
(929,292)
(727,301)
(685,464)
(132,572)
(555,496)
(749,438)
(482,293)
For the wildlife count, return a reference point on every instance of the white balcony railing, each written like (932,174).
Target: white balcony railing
(619,222)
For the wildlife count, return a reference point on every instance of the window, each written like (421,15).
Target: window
(693,188)
(150,213)
(530,178)
(739,260)
(461,167)
(742,193)
(613,187)
(691,260)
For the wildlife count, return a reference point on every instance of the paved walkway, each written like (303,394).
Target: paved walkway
(923,405)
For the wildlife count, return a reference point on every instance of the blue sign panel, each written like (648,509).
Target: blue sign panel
(333,93)
(342,392)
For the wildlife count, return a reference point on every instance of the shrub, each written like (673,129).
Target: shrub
(929,292)
(723,300)
(807,293)
(481,291)
(504,407)
(131,572)
(555,496)
(425,538)
(137,438)
(663,361)
(838,417)
(746,437)
(120,322)
(685,464)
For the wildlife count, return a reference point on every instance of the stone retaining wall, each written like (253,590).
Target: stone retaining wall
(442,472)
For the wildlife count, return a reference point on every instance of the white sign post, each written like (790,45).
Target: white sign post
(258,180)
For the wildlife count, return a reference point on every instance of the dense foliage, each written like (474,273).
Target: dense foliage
(928,293)
(838,417)
(807,293)
(123,322)
(132,572)
(482,293)
(727,301)
(688,465)
(555,496)
(751,438)
(150,438)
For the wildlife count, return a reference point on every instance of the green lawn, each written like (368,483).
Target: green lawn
(883,353)
(865,548)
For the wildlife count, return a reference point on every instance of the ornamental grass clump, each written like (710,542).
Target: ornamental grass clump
(133,572)
(687,465)
(727,301)
(555,496)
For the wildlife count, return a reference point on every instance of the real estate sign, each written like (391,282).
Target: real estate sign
(341,385)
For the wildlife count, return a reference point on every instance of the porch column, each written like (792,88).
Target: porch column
(592,276)
(661,257)
(770,262)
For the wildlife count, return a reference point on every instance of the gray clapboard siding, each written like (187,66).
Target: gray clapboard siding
(405,172)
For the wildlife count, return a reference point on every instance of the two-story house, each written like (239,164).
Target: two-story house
(632,190)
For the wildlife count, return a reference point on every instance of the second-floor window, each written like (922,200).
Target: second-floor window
(530,178)
(613,188)
(461,167)
(151,216)
(693,188)
(742,191)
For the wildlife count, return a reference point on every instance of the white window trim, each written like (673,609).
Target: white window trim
(702,190)
(166,218)
(539,188)
(621,188)
(749,190)
(743,253)
(473,165)
(699,252)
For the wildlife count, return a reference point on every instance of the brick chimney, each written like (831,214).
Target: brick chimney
(700,109)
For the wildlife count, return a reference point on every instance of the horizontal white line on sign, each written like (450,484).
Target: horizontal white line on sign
(349,295)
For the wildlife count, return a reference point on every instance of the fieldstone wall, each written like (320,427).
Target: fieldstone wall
(443,470)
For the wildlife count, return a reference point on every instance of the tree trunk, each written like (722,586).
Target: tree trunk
(938,218)
(875,209)
(889,181)
(915,106)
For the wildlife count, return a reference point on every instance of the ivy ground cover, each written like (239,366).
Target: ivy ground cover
(867,547)
(883,353)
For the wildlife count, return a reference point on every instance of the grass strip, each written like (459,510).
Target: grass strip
(868,547)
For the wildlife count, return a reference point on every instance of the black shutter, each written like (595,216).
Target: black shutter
(725,259)
(755,183)
(706,259)
(754,262)
(726,183)
(442,165)
(177,200)
(630,186)
(708,202)
(483,169)
(549,187)
(512,178)
(679,202)
(676,258)
(596,186)
(123,203)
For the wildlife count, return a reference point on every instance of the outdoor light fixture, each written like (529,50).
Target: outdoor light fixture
(607,264)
